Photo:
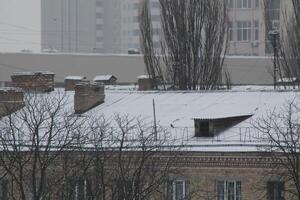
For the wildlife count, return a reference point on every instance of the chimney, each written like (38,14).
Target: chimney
(71,81)
(34,81)
(88,96)
(145,82)
(11,100)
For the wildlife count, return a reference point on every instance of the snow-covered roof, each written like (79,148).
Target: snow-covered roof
(34,73)
(176,111)
(74,77)
(143,77)
(6,89)
(103,77)
(288,79)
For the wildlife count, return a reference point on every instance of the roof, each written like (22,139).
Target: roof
(103,77)
(143,77)
(288,79)
(8,89)
(74,77)
(180,108)
(33,73)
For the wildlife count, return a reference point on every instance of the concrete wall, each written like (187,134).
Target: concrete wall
(244,70)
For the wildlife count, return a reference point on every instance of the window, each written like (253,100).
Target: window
(155,4)
(178,190)
(3,190)
(202,128)
(79,189)
(230,3)
(99,15)
(275,190)
(230,31)
(244,4)
(256,3)
(244,30)
(229,190)
(99,3)
(256,30)
(99,26)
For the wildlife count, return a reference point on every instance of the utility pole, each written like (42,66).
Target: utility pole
(154,118)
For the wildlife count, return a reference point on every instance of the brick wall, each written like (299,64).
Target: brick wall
(10,101)
(34,81)
(87,96)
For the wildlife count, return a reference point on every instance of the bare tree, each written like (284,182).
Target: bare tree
(280,131)
(283,16)
(151,54)
(193,40)
(32,140)
(130,159)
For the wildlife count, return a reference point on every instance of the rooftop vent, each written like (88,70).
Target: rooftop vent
(105,79)
(34,81)
(71,81)
(88,96)
(145,82)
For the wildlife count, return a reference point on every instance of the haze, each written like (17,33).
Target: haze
(20,25)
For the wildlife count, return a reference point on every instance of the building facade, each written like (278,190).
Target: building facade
(231,165)
(112,26)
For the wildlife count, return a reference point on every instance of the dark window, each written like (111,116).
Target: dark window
(99,3)
(3,190)
(275,190)
(99,15)
(178,190)
(202,128)
(229,190)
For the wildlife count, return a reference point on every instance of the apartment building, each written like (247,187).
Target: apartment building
(112,26)
(247,31)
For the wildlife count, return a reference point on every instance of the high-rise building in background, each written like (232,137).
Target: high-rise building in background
(248,34)
(112,26)
(102,26)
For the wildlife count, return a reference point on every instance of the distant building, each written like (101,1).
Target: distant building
(106,79)
(99,26)
(37,81)
(112,26)
(71,81)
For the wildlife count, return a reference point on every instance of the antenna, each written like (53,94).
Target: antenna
(154,118)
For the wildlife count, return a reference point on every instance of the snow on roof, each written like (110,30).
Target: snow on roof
(288,79)
(6,89)
(143,77)
(103,77)
(33,73)
(74,77)
(180,108)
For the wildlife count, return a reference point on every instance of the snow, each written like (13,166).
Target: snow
(143,77)
(6,89)
(180,108)
(288,79)
(33,73)
(74,77)
(103,77)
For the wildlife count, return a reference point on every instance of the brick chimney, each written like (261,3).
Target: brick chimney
(71,81)
(11,100)
(145,82)
(88,96)
(34,81)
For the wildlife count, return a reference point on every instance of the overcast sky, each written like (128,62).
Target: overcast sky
(20,25)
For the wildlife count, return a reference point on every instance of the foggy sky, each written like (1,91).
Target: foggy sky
(20,25)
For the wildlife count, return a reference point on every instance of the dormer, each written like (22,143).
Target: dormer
(210,127)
